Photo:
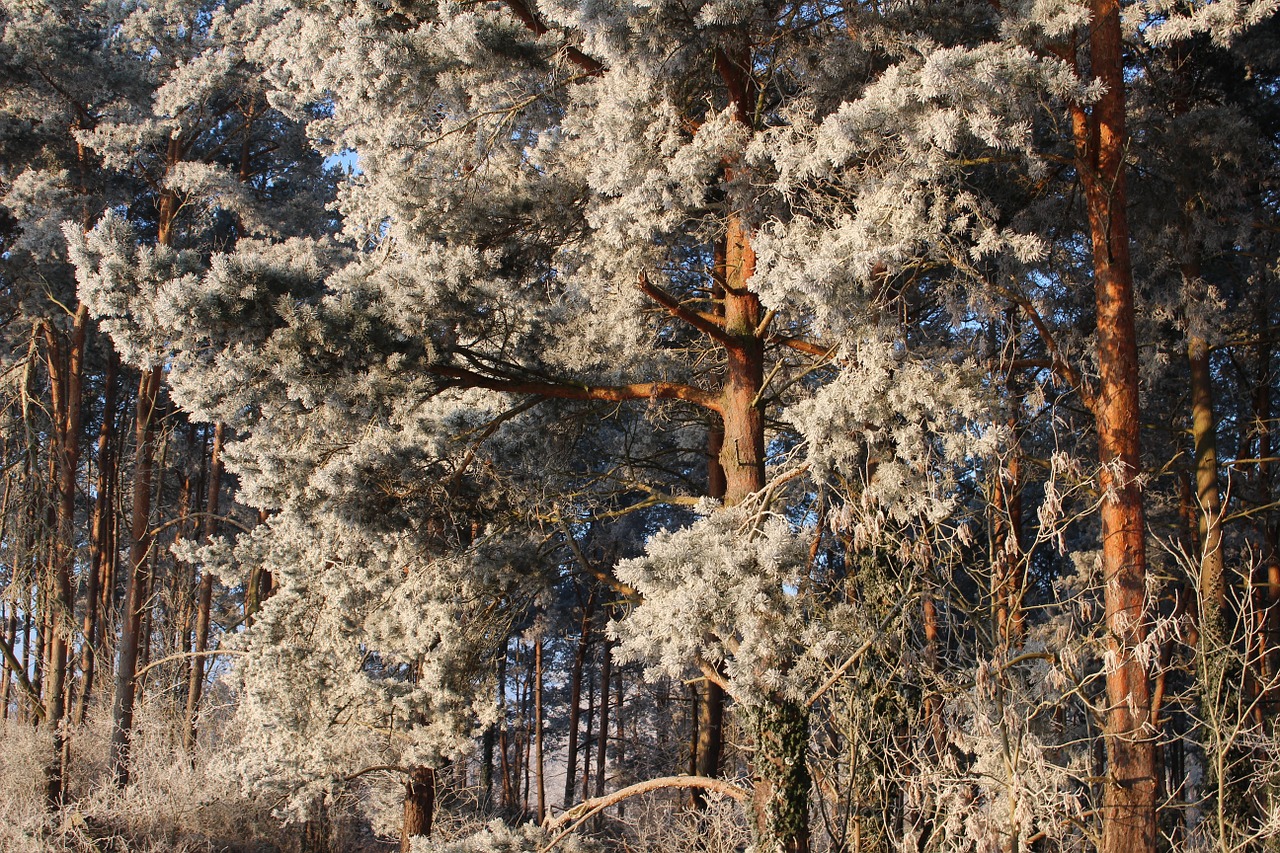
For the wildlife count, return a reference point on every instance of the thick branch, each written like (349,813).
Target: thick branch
(605,578)
(707,326)
(378,768)
(581,812)
(604,393)
(522,10)
(802,345)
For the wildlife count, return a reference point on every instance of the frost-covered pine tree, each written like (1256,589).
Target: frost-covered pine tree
(207,162)
(720,210)
(795,227)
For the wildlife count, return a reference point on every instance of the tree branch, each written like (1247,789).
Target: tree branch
(585,810)
(15,666)
(487,433)
(1058,362)
(626,590)
(390,768)
(522,10)
(605,393)
(707,326)
(208,653)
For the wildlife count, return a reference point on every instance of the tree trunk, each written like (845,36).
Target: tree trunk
(488,743)
(1009,580)
(419,806)
(780,775)
(526,745)
(602,743)
(316,830)
(1213,593)
(540,767)
(1129,799)
(99,540)
(136,600)
(10,637)
(587,739)
(779,771)
(709,745)
(66,373)
(504,752)
(575,698)
(204,597)
(620,745)
(26,647)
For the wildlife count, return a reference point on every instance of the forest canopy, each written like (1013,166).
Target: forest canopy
(515,425)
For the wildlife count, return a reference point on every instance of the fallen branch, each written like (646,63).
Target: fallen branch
(583,811)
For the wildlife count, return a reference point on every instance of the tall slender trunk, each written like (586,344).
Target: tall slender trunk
(27,622)
(526,745)
(587,738)
(66,374)
(10,637)
(709,745)
(620,742)
(504,752)
(487,745)
(139,583)
(1213,592)
(99,539)
(575,697)
(1129,797)
(1009,581)
(602,743)
(204,597)
(538,730)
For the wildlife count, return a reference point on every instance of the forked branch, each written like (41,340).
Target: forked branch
(706,325)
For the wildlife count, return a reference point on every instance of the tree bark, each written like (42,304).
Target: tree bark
(1129,798)
(139,583)
(10,637)
(1213,591)
(575,698)
(709,743)
(780,776)
(419,806)
(99,539)
(66,374)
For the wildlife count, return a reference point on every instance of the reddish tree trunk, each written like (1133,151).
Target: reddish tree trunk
(419,806)
(1129,798)
(65,360)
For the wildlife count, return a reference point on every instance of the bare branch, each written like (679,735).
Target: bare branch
(580,813)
